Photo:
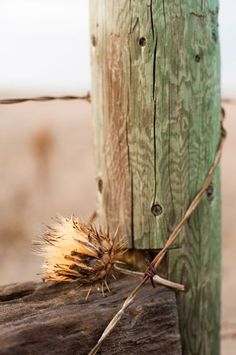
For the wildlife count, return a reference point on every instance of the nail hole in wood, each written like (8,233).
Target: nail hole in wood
(94,41)
(100,185)
(214,36)
(142,42)
(210,193)
(197,58)
(156,209)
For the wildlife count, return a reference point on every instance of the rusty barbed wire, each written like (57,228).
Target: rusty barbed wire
(13,101)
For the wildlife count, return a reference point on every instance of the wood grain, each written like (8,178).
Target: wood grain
(156,114)
(55,319)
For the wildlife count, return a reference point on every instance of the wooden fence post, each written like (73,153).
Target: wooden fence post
(156,109)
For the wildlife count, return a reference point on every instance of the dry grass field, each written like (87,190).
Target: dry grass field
(47,169)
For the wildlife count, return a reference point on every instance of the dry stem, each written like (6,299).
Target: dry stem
(156,278)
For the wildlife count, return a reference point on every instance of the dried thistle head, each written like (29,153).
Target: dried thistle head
(74,251)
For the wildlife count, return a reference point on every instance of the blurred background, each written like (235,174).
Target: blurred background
(46,154)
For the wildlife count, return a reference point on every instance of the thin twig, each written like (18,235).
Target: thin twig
(156,278)
(158,258)
(44,99)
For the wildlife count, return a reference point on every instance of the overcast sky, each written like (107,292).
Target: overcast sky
(45,46)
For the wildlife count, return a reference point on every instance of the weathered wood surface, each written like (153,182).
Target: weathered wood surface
(156,114)
(55,319)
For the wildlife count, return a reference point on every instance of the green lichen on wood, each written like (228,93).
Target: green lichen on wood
(156,107)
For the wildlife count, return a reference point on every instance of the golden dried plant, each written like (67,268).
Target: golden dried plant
(74,251)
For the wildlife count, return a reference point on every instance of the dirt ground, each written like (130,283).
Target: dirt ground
(47,169)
